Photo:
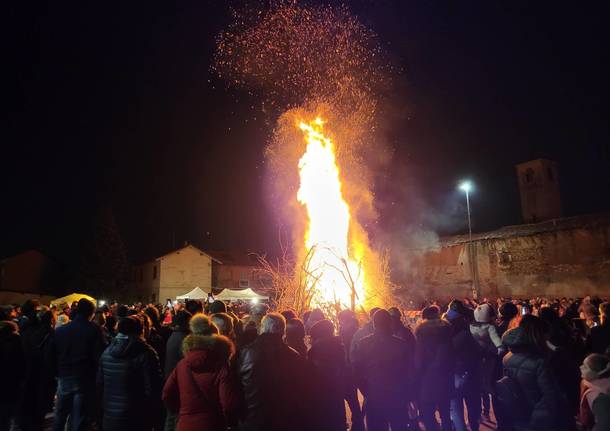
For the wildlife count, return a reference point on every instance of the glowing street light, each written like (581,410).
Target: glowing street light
(466,186)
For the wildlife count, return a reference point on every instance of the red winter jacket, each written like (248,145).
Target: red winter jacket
(201,389)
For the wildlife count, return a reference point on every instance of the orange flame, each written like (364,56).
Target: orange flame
(335,274)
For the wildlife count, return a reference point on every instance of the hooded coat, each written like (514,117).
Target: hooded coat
(201,389)
(595,404)
(129,377)
(537,383)
(434,360)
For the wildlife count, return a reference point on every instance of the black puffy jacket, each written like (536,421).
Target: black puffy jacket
(129,378)
(537,384)
(434,360)
(273,378)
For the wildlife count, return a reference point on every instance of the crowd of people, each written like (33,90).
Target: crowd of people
(535,365)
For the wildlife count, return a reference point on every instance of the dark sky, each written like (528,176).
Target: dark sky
(113,104)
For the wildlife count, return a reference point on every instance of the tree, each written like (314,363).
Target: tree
(104,264)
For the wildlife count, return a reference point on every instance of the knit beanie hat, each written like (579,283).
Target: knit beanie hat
(201,324)
(484,313)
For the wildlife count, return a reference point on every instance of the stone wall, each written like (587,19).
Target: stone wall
(564,257)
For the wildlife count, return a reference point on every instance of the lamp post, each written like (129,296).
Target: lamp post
(466,187)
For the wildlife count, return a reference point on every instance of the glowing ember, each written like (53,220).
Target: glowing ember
(336,277)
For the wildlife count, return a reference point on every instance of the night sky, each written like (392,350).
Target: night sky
(114,105)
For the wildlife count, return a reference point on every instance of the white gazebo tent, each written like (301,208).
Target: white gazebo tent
(235,295)
(196,293)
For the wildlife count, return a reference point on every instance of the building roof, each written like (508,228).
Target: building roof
(565,223)
(187,245)
(236,258)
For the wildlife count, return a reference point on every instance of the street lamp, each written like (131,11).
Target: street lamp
(466,186)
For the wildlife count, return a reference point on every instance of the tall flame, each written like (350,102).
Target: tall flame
(335,276)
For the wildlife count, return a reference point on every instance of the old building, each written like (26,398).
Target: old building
(182,270)
(549,256)
(30,274)
(172,274)
(562,257)
(236,271)
(539,190)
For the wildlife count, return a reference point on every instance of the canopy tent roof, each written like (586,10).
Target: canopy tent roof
(234,295)
(196,293)
(69,299)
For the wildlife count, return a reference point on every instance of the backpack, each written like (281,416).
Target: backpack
(512,400)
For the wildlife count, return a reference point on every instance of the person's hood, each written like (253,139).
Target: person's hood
(204,348)
(484,313)
(124,346)
(430,327)
(601,385)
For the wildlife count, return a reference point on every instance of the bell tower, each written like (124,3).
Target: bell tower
(539,189)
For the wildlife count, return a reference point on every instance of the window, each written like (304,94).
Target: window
(244,280)
(505,258)
(154,272)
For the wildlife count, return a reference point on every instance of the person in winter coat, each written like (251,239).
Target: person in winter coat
(129,379)
(173,349)
(314,317)
(12,361)
(486,334)
(39,380)
(295,336)
(274,381)
(78,347)
(173,355)
(562,357)
(159,334)
(201,389)
(598,340)
(595,398)
(400,329)
(364,331)
(348,325)
(380,364)
(434,368)
(327,359)
(508,312)
(468,359)
(537,401)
